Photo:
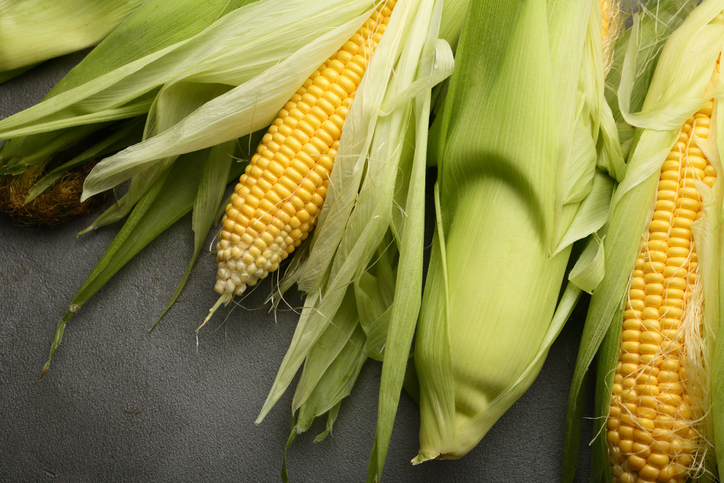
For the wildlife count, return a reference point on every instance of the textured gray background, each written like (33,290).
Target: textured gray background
(122,404)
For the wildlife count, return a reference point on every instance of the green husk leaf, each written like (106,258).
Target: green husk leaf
(407,303)
(126,134)
(657,20)
(579,179)
(136,108)
(171,196)
(606,360)
(337,381)
(331,418)
(212,185)
(324,353)
(708,237)
(267,83)
(334,385)
(193,97)
(592,212)
(588,271)
(32,31)
(20,153)
(676,99)
(610,155)
(484,421)
(444,396)
(491,97)
(154,26)
(233,40)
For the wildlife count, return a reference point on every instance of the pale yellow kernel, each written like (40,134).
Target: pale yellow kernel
(656,256)
(651,337)
(326,106)
(673,294)
(333,131)
(319,114)
(636,462)
(303,216)
(677,261)
(338,66)
(666,195)
(669,165)
(689,192)
(667,474)
(659,225)
(670,175)
(321,146)
(626,432)
(649,473)
(287,183)
(653,300)
(647,413)
(311,208)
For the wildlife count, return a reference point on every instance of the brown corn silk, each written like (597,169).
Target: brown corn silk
(277,200)
(652,424)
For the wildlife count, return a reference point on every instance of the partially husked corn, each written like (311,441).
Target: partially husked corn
(652,434)
(277,200)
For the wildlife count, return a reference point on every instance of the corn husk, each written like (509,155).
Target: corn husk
(518,184)
(682,73)
(32,31)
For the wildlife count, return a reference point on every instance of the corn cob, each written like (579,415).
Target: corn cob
(652,433)
(277,200)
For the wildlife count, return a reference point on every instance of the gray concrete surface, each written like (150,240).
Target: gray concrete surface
(122,404)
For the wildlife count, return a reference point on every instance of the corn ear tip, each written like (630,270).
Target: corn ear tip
(45,369)
(422,457)
(224,299)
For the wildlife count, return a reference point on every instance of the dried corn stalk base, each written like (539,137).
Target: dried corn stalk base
(278,198)
(653,425)
(59,203)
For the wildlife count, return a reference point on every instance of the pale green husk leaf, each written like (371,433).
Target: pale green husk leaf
(270,76)
(32,31)
(169,198)
(155,25)
(589,269)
